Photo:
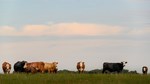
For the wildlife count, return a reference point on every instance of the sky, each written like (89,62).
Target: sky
(69,31)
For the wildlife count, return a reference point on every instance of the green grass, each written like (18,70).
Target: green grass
(74,78)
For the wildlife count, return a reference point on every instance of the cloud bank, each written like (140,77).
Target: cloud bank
(70,29)
(61,29)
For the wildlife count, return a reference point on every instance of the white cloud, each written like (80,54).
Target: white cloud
(62,29)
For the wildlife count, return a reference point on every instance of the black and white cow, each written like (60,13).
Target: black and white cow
(113,67)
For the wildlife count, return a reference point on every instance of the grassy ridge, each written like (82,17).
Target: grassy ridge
(68,78)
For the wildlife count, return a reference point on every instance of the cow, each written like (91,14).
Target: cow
(80,67)
(113,67)
(18,66)
(51,67)
(6,67)
(34,67)
(144,69)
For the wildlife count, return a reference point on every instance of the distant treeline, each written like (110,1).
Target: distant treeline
(96,71)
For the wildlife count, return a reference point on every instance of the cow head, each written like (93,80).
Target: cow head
(24,61)
(25,66)
(55,63)
(124,63)
(8,67)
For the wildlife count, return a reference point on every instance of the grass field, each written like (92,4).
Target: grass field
(74,78)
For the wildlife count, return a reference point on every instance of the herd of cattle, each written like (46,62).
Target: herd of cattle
(44,67)
(32,67)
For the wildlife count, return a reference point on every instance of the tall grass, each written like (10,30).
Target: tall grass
(74,78)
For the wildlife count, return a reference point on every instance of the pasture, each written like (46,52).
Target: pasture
(74,78)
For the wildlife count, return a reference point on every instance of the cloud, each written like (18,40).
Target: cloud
(143,31)
(7,30)
(62,29)
(71,29)
(34,30)
(84,29)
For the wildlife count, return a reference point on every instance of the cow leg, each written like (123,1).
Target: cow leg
(103,71)
(55,71)
(118,72)
(49,71)
(4,72)
(33,70)
(42,71)
(82,71)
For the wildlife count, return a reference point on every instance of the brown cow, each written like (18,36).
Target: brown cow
(51,67)
(144,69)
(34,67)
(6,67)
(80,67)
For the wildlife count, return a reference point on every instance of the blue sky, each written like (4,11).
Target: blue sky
(43,11)
(68,31)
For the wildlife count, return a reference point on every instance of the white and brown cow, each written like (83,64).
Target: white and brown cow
(34,67)
(80,67)
(144,69)
(6,67)
(50,67)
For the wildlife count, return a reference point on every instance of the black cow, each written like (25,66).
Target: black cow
(19,66)
(113,67)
